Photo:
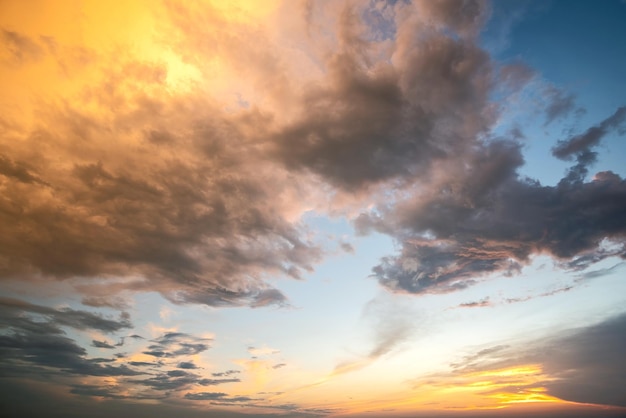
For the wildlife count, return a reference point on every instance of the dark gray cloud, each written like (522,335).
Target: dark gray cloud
(223,399)
(582,143)
(584,365)
(81,320)
(205,396)
(593,274)
(484,218)
(417,112)
(217,396)
(99,391)
(173,380)
(18,399)
(31,343)
(144,364)
(176,344)
(102,344)
(213,382)
(226,373)
(187,365)
(589,364)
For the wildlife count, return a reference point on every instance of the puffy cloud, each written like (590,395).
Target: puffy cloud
(185,171)
(130,181)
(128,184)
(187,365)
(481,217)
(226,373)
(372,120)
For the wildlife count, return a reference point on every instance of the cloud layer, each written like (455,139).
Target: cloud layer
(131,178)
(181,154)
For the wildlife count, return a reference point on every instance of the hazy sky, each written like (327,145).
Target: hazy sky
(312,208)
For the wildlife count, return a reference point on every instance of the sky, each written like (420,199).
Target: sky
(309,208)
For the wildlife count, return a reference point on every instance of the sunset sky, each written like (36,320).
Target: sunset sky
(300,208)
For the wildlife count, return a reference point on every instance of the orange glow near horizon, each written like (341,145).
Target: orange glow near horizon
(484,390)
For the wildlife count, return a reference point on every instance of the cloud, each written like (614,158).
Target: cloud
(169,190)
(213,382)
(226,373)
(176,344)
(540,295)
(559,104)
(188,365)
(144,363)
(481,217)
(580,144)
(427,100)
(18,171)
(33,345)
(102,344)
(593,274)
(30,343)
(212,396)
(204,396)
(476,304)
(588,364)
(172,380)
(37,400)
(581,365)
(81,320)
